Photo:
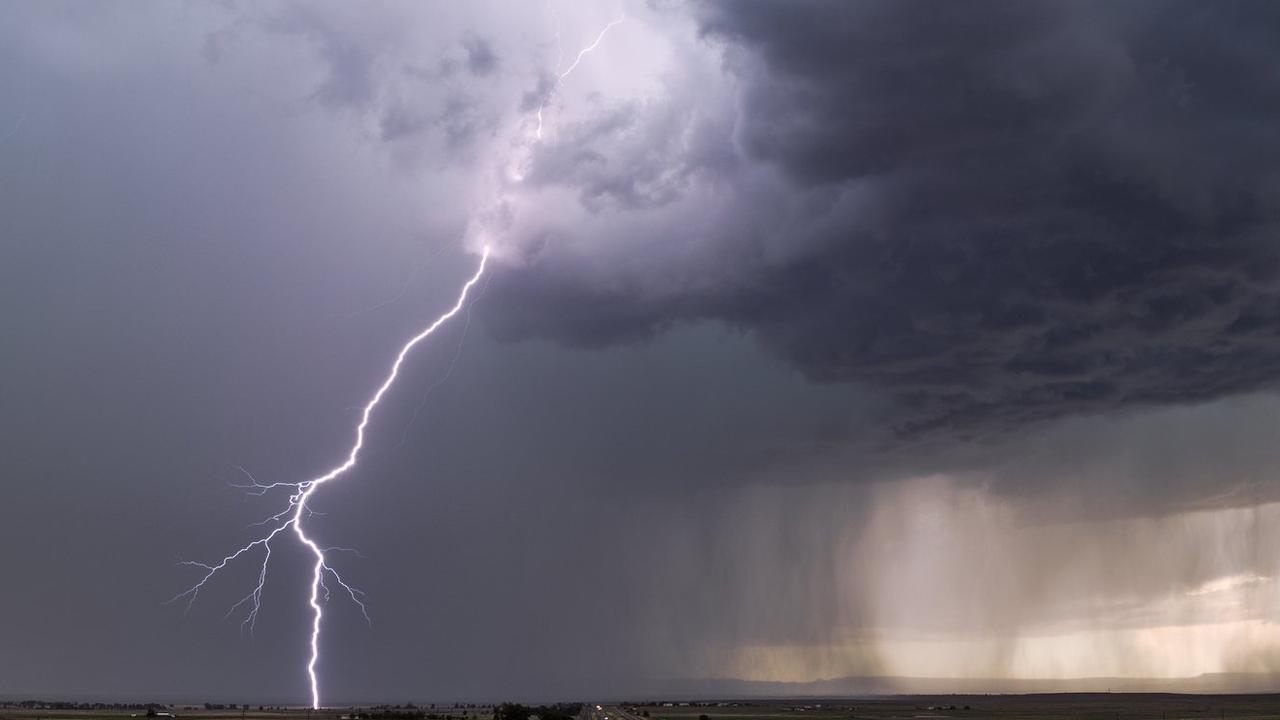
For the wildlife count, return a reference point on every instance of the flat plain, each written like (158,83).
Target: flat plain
(1063,706)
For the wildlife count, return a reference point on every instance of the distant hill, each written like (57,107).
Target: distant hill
(836,687)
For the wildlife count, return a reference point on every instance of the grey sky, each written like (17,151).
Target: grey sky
(813,335)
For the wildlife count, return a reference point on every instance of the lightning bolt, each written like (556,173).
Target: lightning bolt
(318,570)
(560,76)
(296,511)
(299,494)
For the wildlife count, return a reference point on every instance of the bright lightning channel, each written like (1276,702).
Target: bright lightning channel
(317,572)
(560,76)
(291,518)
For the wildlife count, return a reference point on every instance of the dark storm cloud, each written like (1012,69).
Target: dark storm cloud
(1061,207)
(481,59)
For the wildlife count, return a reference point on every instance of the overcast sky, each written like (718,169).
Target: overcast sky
(818,340)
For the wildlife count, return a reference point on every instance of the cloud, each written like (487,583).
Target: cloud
(349,80)
(1000,212)
(481,58)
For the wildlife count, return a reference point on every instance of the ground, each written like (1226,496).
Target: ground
(1073,706)
(1070,706)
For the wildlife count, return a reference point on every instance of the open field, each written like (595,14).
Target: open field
(1065,706)
(1071,706)
(182,712)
